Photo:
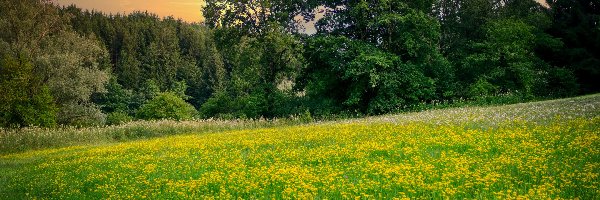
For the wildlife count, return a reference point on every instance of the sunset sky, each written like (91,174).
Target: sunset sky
(188,10)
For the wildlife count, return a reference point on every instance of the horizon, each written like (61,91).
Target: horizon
(186,10)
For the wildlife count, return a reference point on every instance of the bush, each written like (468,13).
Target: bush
(118,118)
(559,83)
(81,115)
(223,106)
(115,99)
(481,89)
(219,103)
(167,105)
(306,117)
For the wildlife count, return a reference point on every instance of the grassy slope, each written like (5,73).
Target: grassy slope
(34,138)
(543,149)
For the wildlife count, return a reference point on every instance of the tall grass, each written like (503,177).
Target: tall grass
(33,138)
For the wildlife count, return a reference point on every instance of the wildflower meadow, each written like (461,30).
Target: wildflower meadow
(542,150)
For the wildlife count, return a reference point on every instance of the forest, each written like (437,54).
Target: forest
(250,59)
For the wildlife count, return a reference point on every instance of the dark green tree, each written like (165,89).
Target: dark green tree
(388,51)
(260,53)
(25,100)
(577,24)
(361,78)
(71,66)
(115,99)
(505,59)
(260,69)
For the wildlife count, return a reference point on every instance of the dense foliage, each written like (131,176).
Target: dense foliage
(166,105)
(250,59)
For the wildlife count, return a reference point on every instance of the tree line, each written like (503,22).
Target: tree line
(250,58)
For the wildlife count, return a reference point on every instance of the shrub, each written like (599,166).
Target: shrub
(167,105)
(81,115)
(219,103)
(482,88)
(559,83)
(118,118)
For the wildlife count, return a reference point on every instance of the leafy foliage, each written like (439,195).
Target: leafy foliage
(368,79)
(577,23)
(75,68)
(250,60)
(505,59)
(166,105)
(118,118)
(71,66)
(24,100)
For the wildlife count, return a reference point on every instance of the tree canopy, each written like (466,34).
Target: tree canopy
(250,59)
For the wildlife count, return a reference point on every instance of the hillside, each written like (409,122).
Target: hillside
(540,150)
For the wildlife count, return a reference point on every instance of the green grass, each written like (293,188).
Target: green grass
(534,150)
(34,138)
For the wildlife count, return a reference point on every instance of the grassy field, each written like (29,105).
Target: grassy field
(536,150)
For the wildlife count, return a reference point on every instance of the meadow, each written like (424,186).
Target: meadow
(540,150)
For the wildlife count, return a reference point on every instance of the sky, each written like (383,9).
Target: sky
(188,10)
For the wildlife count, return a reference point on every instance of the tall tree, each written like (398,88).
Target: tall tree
(25,100)
(260,51)
(505,58)
(259,66)
(577,24)
(255,16)
(27,23)
(72,67)
(389,54)
(353,75)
